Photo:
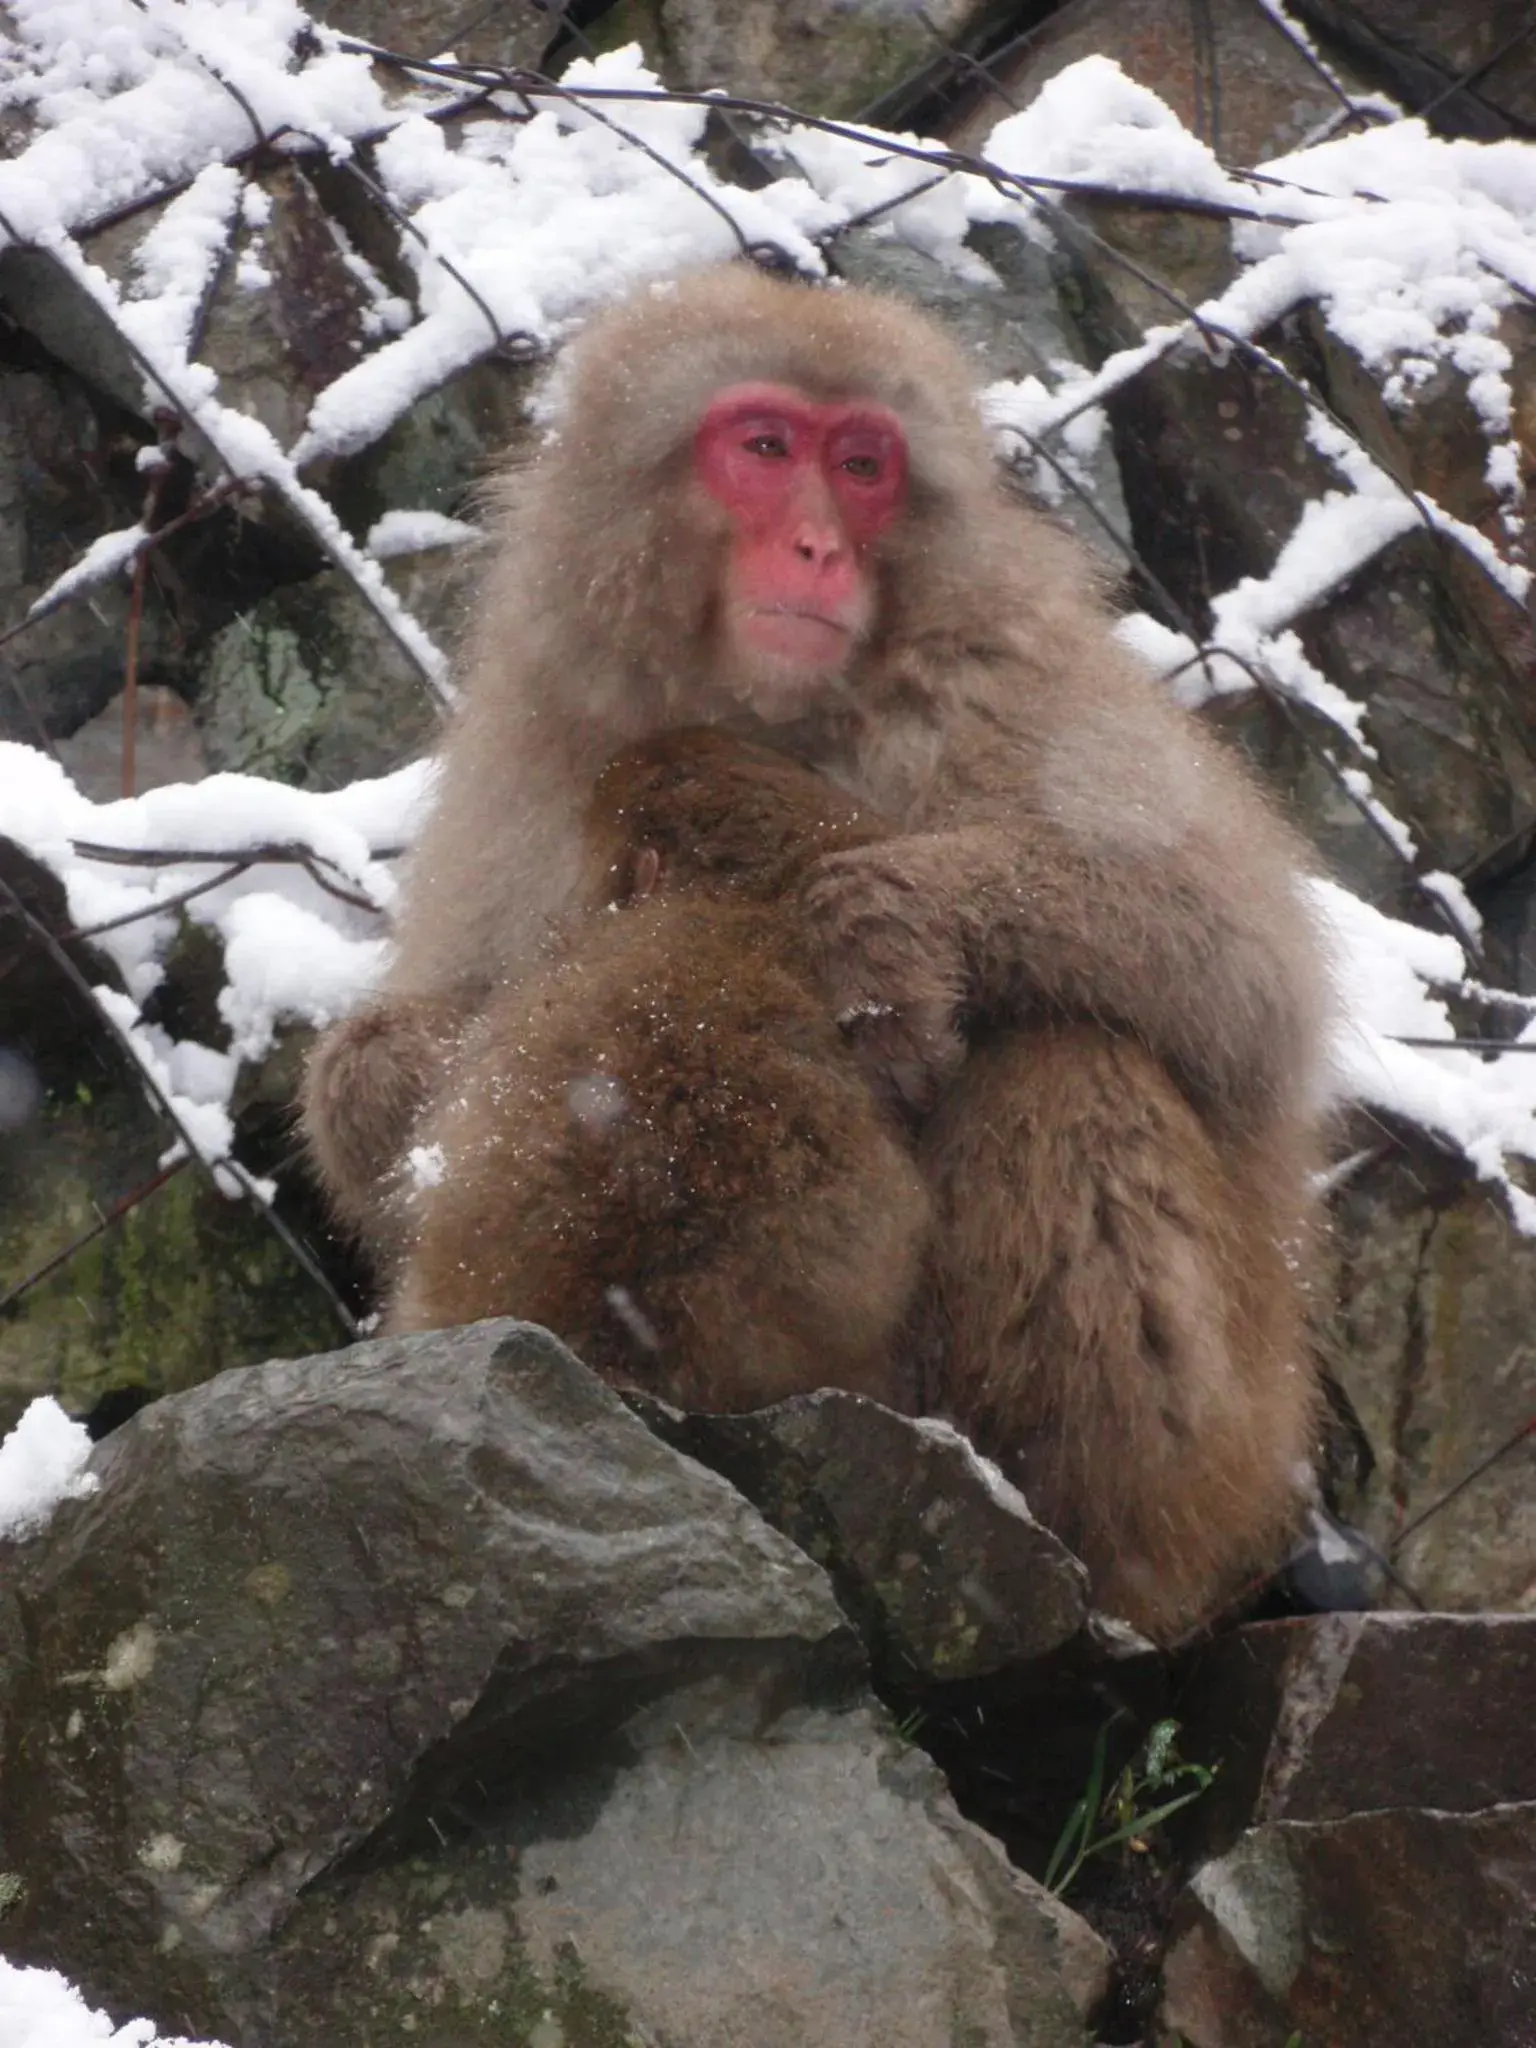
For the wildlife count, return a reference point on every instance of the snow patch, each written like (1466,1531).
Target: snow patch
(41,2009)
(409,533)
(42,1462)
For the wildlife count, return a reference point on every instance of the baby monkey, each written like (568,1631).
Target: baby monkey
(662,1146)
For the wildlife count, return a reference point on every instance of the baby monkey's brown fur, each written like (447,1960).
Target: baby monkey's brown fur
(661,1147)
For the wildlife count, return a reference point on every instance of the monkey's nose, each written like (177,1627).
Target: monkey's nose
(820,547)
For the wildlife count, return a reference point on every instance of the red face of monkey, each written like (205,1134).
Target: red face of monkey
(808,488)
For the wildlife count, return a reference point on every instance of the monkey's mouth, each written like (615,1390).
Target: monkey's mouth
(805,639)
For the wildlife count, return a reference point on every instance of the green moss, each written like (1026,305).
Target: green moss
(182,1286)
(949,1652)
(165,1295)
(309,687)
(954,1655)
(587,2016)
(872,57)
(412,1950)
(1458,1250)
(273,686)
(967,2033)
(629,21)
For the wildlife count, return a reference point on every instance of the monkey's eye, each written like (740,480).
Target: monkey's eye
(773,445)
(865,467)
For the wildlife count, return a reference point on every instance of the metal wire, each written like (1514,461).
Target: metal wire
(489,86)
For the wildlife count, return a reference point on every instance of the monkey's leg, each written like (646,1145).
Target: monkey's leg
(367,1080)
(1117,1308)
(810,1290)
(776,1278)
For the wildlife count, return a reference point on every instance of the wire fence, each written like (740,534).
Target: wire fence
(1070,208)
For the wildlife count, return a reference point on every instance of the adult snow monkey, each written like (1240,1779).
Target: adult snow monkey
(1086,940)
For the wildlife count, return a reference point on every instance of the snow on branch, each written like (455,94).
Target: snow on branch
(1390,977)
(107,556)
(289,880)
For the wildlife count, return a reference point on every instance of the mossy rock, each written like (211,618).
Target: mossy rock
(308,687)
(182,1285)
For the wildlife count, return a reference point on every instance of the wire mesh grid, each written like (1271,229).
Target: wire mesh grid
(198,481)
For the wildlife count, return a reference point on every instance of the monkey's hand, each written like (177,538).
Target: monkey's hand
(891,959)
(368,1078)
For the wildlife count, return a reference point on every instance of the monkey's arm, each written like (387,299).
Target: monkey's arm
(1221,985)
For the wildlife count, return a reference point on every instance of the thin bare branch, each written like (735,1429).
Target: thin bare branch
(320,870)
(1493,1045)
(205,503)
(1496,1456)
(293,851)
(160,904)
(104,1222)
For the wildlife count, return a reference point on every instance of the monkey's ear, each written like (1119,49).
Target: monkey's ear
(644,874)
